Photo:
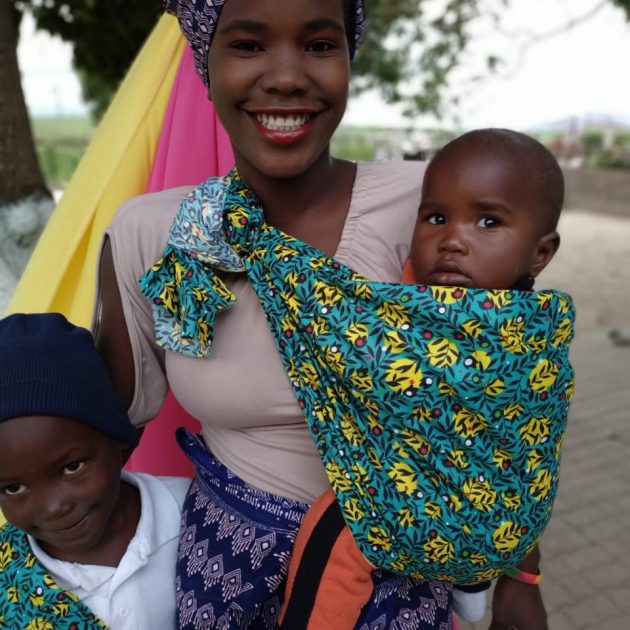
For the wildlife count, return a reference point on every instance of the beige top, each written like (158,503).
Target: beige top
(249,415)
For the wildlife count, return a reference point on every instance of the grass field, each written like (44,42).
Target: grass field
(60,143)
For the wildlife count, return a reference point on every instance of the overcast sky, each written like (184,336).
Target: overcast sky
(580,72)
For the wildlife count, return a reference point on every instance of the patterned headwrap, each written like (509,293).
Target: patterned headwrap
(198,21)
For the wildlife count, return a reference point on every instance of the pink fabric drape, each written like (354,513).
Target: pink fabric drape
(193,146)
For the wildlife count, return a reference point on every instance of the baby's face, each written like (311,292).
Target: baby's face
(478,224)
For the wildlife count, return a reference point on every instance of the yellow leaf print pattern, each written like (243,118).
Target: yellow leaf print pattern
(415,441)
(351,431)
(534,459)
(357,333)
(362,380)
(512,335)
(481,360)
(507,536)
(543,376)
(541,486)
(494,387)
(36,597)
(13,595)
(472,327)
(468,423)
(406,518)
(447,295)
(513,411)
(432,510)
(393,314)
(379,538)
(537,343)
(404,478)
(5,555)
(536,431)
(499,298)
(39,624)
(458,459)
(442,353)
(337,477)
(562,333)
(439,550)
(480,493)
(403,375)
(352,510)
(327,294)
(512,500)
(394,342)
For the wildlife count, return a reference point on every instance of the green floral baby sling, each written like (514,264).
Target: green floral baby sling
(30,599)
(438,412)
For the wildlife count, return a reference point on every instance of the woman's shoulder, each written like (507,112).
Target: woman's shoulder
(149,210)
(392,178)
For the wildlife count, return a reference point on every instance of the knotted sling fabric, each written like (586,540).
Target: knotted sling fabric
(438,412)
(198,20)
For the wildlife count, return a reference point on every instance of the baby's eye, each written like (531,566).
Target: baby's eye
(14,489)
(488,222)
(73,467)
(436,219)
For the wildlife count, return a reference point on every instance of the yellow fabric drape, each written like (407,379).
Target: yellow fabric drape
(61,273)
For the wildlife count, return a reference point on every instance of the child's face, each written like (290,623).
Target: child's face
(279,74)
(481,222)
(59,482)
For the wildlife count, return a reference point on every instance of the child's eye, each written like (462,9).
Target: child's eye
(14,489)
(73,467)
(436,219)
(488,222)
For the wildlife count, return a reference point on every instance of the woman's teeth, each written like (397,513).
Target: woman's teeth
(291,122)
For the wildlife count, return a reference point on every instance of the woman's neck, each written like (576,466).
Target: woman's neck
(312,206)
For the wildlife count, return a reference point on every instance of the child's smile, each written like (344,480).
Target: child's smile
(60,483)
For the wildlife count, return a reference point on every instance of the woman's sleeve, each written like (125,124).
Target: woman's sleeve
(137,236)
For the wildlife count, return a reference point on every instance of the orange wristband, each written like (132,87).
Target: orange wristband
(524,576)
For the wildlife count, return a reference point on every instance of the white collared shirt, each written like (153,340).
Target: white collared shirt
(138,594)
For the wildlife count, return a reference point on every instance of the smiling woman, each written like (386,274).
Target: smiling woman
(278,75)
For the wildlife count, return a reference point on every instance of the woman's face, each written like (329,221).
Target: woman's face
(279,73)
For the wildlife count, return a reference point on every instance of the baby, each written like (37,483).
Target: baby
(490,205)
(86,544)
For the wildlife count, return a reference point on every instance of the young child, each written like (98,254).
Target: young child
(86,545)
(490,205)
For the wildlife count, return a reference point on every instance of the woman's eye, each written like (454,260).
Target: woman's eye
(321,46)
(14,489)
(73,467)
(488,222)
(436,219)
(247,46)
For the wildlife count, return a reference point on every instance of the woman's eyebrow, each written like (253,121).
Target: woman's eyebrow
(250,26)
(321,24)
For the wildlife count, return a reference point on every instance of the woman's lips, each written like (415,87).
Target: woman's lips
(285,127)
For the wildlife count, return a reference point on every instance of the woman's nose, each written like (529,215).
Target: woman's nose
(285,73)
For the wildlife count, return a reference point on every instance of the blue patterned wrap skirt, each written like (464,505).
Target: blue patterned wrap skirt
(234,554)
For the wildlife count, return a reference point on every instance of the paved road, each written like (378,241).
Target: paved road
(586,548)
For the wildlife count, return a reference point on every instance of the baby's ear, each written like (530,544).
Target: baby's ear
(545,250)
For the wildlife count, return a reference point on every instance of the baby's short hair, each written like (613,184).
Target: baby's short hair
(536,159)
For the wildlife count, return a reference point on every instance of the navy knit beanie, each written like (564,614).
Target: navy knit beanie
(49,367)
